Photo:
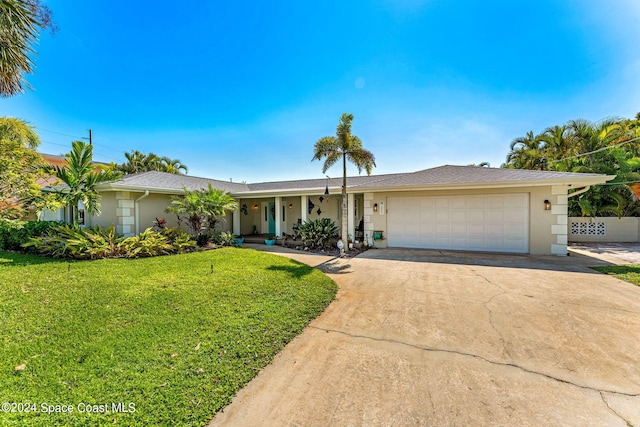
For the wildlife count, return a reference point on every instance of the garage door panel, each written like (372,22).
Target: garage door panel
(442,202)
(497,222)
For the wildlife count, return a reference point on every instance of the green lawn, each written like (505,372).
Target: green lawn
(167,335)
(629,273)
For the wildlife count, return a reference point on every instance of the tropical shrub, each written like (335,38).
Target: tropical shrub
(222,238)
(202,209)
(318,233)
(180,240)
(146,244)
(14,233)
(73,241)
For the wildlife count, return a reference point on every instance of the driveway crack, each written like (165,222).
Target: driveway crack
(614,411)
(476,356)
(485,304)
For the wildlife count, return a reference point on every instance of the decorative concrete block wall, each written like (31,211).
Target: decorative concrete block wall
(611,230)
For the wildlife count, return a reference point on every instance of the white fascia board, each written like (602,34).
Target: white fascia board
(132,188)
(288,193)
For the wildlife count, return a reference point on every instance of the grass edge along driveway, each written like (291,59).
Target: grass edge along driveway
(629,273)
(168,339)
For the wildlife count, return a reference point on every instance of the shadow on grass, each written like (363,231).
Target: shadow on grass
(296,271)
(15,259)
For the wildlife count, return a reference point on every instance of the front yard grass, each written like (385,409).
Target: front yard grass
(173,338)
(629,273)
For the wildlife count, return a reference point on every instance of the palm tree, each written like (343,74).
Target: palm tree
(344,146)
(20,23)
(202,207)
(557,142)
(81,178)
(138,162)
(173,166)
(17,130)
(525,153)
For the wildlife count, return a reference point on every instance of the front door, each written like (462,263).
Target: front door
(268,217)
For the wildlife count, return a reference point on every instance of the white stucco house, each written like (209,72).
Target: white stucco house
(448,207)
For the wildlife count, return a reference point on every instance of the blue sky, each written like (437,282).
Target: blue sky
(243,90)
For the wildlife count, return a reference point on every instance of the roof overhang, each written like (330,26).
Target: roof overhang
(572,182)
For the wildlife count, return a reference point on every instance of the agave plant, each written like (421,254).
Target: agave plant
(318,233)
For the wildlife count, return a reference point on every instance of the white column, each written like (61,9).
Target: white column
(351,213)
(236,222)
(560,210)
(304,202)
(278,216)
(368,217)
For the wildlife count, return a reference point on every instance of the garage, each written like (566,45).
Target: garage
(487,222)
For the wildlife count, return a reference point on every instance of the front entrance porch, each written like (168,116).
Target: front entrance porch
(281,215)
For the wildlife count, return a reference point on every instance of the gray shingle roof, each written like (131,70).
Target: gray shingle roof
(449,174)
(438,176)
(352,181)
(169,181)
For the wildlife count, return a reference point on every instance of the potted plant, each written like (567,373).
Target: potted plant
(238,239)
(270,240)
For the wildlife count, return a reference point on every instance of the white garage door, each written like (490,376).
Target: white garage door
(493,222)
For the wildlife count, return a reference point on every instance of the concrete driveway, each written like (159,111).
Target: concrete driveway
(450,339)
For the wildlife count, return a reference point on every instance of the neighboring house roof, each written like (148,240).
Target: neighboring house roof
(442,177)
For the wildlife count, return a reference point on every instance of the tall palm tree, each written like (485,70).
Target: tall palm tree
(344,146)
(81,178)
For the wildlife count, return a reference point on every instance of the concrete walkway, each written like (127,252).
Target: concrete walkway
(614,253)
(429,338)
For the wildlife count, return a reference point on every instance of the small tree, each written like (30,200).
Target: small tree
(81,177)
(203,208)
(20,169)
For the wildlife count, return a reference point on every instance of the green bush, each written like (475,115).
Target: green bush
(223,238)
(180,240)
(318,233)
(14,233)
(146,244)
(73,241)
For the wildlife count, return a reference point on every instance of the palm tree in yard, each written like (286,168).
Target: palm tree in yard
(202,208)
(20,24)
(525,153)
(346,147)
(138,162)
(17,130)
(81,177)
(174,166)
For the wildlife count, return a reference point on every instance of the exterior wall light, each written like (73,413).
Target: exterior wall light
(290,205)
(255,207)
(375,207)
(547,205)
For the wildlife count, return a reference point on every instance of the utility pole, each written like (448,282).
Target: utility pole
(90,137)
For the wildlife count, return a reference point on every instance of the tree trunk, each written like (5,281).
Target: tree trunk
(345,208)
